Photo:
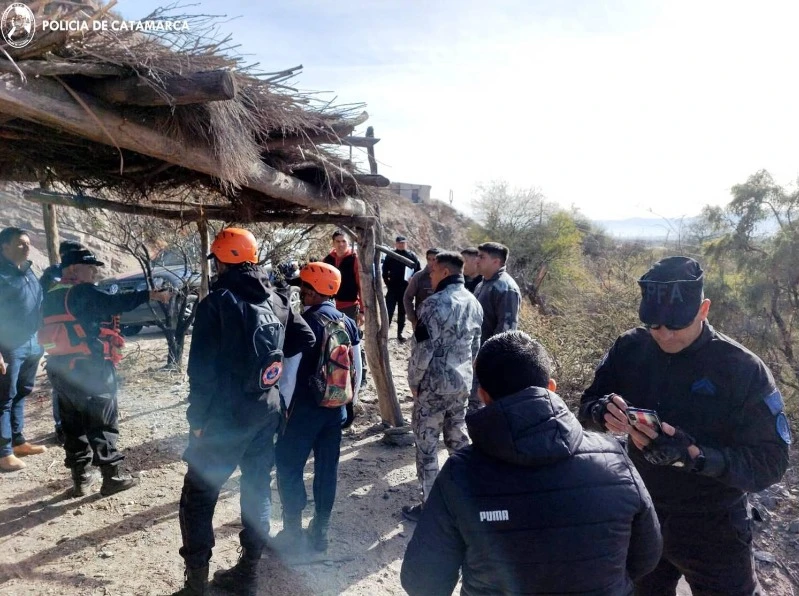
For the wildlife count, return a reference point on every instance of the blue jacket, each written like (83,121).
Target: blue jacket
(20,304)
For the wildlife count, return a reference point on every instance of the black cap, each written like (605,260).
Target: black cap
(80,257)
(671,292)
(400,239)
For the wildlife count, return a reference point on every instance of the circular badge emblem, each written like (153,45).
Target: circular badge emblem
(271,374)
(784,428)
(17,25)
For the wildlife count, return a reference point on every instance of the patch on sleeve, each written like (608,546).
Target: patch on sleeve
(774,402)
(784,428)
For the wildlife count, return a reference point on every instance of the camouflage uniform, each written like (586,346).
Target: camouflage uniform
(501,299)
(445,343)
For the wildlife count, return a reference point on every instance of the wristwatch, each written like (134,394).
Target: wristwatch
(698,462)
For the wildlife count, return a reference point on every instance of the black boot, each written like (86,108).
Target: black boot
(82,480)
(317,533)
(196,583)
(115,481)
(289,539)
(242,578)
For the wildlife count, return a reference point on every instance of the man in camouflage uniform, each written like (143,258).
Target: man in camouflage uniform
(445,343)
(499,296)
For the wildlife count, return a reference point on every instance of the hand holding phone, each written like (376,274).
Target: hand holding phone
(642,417)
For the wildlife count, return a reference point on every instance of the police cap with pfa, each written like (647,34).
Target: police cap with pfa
(80,257)
(671,292)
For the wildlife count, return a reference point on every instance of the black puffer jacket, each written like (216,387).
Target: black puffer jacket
(535,506)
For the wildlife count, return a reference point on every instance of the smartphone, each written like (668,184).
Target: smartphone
(644,417)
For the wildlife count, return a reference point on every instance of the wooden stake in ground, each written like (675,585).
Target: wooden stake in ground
(376,315)
(49,218)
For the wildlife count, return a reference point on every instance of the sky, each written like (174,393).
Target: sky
(620,108)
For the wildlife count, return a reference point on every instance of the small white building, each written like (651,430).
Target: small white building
(416,193)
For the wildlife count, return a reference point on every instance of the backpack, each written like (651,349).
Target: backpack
(262,354)
(334,380)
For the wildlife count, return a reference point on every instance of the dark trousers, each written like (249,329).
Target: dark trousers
(394,300)
(310,428)
(54,397)
(17,384)
(212,459)
(712,550)
(87,400)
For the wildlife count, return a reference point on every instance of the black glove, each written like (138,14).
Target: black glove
(670,451)
(599,409)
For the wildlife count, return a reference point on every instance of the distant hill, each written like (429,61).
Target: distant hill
(645,228)
(429,224)
(16,211)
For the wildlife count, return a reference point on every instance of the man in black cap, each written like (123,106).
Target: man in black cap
(396,276)
(81,337)
(722,431)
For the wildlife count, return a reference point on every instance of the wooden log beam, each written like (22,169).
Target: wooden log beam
(358,141)
(370,150)
(48,103)
(372,180)
(199,87)
(45,68)
(390,253)
(376,336)
(195,214)
(335,136)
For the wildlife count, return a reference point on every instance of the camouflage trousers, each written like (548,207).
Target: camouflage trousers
(432,415)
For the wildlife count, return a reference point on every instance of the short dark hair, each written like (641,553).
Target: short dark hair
(496,250)
(451,260)
(470,250)
(69,245)
(432,251)
(512,361)
(336,234)
(9,234)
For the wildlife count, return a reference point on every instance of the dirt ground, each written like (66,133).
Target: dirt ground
(128,544)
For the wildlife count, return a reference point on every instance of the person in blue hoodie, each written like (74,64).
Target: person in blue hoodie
(536,505)
(20,352)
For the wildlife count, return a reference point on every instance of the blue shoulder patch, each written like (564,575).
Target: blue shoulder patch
(774,402)
(784,428)
(704,386)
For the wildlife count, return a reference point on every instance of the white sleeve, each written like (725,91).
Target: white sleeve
(356,361)
(288,380)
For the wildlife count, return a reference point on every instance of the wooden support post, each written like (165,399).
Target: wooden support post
(205,272)
(49,218)
(377,327)
(370,151)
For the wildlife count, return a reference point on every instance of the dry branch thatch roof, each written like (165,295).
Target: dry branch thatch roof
(220,152)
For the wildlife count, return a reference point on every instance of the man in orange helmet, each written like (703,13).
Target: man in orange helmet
(314,423)
(245,348)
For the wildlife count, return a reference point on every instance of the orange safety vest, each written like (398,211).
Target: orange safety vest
(62,335)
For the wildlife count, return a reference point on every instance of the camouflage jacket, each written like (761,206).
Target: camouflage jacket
(446,340)
(500,298)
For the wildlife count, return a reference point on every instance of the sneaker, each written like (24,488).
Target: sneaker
(401,339)
(28,449)
(412,512)
(317,534)
(60,437)
(11,463)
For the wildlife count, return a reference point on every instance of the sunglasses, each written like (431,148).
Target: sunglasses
(669,327)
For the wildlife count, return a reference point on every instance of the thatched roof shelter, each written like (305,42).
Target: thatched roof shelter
(169,120)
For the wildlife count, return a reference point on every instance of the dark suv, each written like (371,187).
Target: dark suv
(169,270)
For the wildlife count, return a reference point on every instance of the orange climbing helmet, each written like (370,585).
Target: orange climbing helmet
(323,278)
(235,245)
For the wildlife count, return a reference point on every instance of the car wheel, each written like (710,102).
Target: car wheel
(130,330)
(294,300)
